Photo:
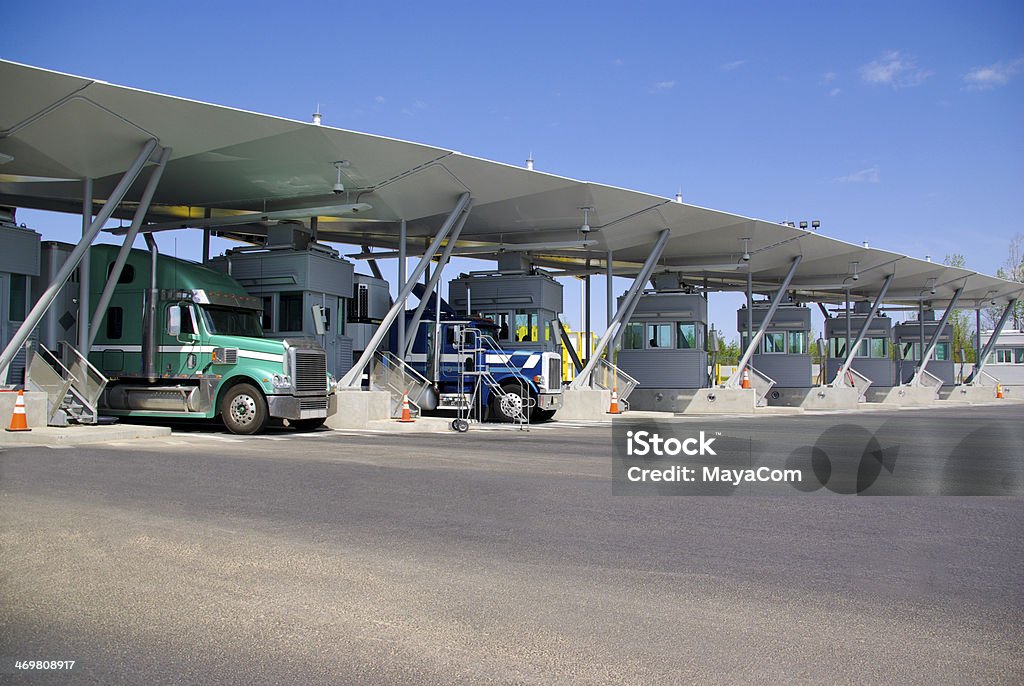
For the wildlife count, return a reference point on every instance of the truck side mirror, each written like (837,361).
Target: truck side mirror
(319,320)
(174,320)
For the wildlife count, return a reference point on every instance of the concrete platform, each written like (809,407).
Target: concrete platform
(356,409)
(904,396)
(829,398)
(79,434)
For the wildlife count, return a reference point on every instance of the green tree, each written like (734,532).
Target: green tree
(963,330)
(1012,270)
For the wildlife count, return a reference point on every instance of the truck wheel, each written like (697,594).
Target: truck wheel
(514,390)
(244,410)
(309,424)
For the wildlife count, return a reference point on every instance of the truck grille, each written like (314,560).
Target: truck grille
(310,371)
(554,374)
(312,403)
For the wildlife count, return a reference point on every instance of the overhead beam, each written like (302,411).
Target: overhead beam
(126,246)
(208,222)
(353,378)
(851,349)
(982,359)
(583,378)
(733,380)
(74,259)
(934,341)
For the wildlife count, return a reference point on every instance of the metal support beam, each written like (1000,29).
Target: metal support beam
(374,267)
(586,315)
(849,331)
(417,316)
(750,305)
(61,278)
(353,378)
(850,349)
(150,314)
(84,272)
(977,344)
(126,246)
(609,289)
(925,354)
(403,236)
(756,338)
(983,356)
(583,378)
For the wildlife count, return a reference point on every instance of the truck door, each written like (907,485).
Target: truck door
(180,355)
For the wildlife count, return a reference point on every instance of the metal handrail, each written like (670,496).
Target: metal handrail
(762,384)
(623,383)
(854,379)
(491,346)
(983,378)
(386,368)
(90,381)
(42,376)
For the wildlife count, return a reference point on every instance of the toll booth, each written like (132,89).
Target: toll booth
(909,343)
(305,288)
(19,269)
(1006,363)
(873,357)
(784,351)
(523,305)
(663,348)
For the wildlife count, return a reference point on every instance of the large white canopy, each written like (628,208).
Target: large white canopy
(56,129)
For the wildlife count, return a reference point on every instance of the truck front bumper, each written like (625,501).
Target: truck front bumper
(292,407)
(549,401)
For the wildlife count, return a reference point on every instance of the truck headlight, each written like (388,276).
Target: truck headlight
(281,381)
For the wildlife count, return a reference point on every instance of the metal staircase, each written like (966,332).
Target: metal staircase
(390,373)
(72,385)
(608,377)
(486,354)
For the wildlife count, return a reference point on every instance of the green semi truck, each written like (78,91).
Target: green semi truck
(189,344)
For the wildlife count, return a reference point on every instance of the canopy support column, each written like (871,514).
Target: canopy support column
(734,380)
(851,349)
(983,356)
(353,378)
(621,315)
(61,278)
(402,265)
(926,354)
(126,246)
(609,289)
(83,271)
(428,290)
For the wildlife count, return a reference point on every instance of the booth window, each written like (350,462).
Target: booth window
(797,342)
(879,348)
(1019,355)
(501,320)
(526,326)
(633,337)
(267,319)
(775,343)
(1005,356)
(659,335)
(289,312)
(686,336)
(862,349)
(18,297)
(837,347)
(942,352)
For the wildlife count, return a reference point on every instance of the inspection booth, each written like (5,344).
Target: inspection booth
(1006,363)
(663,348)
(911,337)
(19,269)
(371,300)
(783,353)
(873,357)
(304,286)
(523,303)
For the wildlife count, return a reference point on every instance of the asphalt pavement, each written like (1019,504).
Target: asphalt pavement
(502,557)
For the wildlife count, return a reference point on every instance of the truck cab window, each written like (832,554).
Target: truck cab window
(231,322)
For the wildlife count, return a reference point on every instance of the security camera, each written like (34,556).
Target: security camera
(933,291)
(746,257)
(856,277)
(339,188)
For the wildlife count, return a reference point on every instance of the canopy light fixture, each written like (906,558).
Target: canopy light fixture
(815,224)
(586,219)
(339,187)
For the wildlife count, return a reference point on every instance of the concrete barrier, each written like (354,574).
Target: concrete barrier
(904,396)
(357,408)
(35,408)
(971,394)
(584,403)
(829,398)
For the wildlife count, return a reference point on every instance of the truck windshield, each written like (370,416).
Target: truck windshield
(230,322)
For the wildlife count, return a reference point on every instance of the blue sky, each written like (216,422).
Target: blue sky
(893,122)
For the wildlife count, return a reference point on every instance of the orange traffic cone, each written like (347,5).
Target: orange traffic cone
(999,390)
(746,379)
(406,414)
(614,407)
(19,421)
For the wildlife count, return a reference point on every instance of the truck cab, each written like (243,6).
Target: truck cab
(198,351)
